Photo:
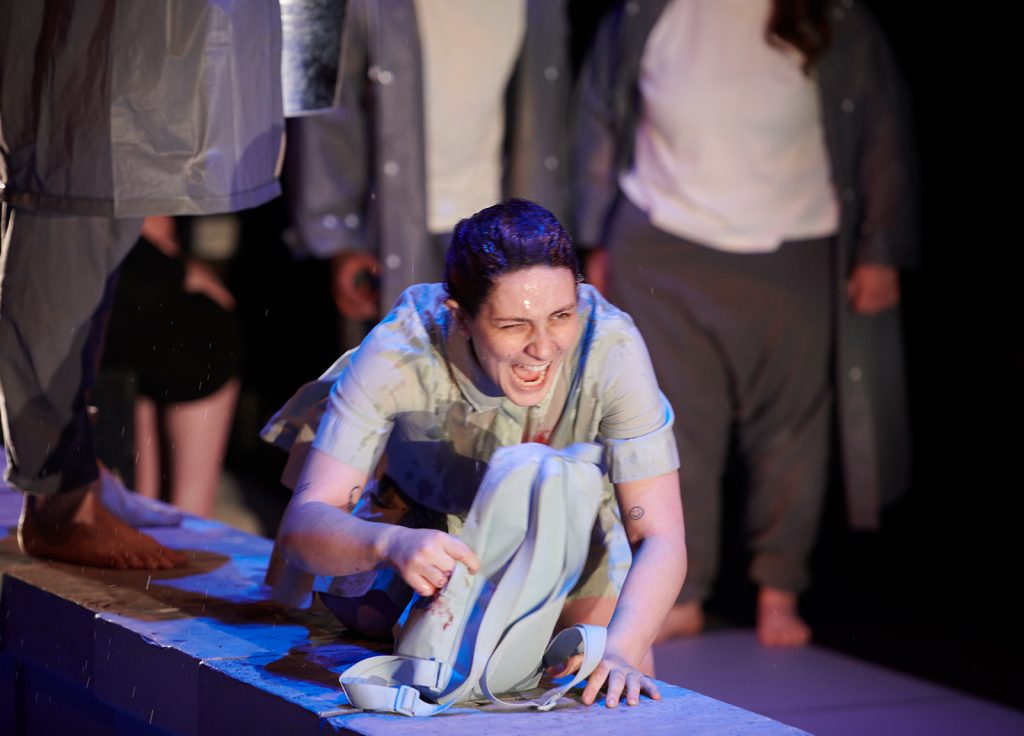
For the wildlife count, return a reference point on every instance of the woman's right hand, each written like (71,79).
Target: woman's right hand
(425,558)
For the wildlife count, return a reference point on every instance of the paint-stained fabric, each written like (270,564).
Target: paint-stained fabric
(411,394)
(412,391)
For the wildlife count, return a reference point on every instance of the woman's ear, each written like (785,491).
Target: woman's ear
(461,318)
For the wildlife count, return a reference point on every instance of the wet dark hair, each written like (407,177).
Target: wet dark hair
(506,237)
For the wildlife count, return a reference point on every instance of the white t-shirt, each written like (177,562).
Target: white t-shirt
(469,50)
(730,149)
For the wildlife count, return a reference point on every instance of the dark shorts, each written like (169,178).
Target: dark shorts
(180,346)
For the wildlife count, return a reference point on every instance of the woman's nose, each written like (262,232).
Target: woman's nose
(542,346)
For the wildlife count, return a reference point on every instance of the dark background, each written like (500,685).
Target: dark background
(934,592)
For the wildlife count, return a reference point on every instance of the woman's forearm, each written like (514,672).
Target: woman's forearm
(319,535)
(650,589)
(318,532)
(652,514)
(325,540)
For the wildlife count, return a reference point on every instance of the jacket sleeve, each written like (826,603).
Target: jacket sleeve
(887,174)
(594,161)
(537,125)
(327,167)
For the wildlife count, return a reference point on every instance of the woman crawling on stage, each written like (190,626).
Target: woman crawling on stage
(510,349)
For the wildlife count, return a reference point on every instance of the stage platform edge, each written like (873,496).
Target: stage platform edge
(204,651)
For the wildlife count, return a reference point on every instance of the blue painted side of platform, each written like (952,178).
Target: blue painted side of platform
(204,651)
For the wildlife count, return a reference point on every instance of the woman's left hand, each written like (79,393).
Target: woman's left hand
(618,677)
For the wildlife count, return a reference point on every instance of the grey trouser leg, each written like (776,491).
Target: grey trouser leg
(741,339)
(56,272)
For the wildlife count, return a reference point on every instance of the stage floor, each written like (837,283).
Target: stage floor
(826,693)
(811,688)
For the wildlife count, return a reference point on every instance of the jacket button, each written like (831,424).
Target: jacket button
(847,105)
(329,221)
(352,221)
(551,73)
(381,76)
(393,261)
(632,7)
(551,163)
(855,374)
(390,168)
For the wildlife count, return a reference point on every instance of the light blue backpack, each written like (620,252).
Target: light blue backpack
(488,633)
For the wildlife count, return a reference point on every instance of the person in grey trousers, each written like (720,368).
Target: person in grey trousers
(109,112)
(745,180)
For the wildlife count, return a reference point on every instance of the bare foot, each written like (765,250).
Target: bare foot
(685,619)
(75,527)
(778,619)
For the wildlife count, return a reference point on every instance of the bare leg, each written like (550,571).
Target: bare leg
(197,436)
(778,619)
(75,527)
(685,619)
(147,448)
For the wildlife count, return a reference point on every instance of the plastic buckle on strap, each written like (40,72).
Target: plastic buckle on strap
(442,675)
(405,700)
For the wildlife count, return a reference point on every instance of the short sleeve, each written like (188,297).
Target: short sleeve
(358,419)
(636,421)
(384,376)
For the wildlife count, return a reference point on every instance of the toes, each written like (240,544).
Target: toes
(176,559)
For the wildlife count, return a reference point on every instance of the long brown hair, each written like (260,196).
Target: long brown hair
(802,24)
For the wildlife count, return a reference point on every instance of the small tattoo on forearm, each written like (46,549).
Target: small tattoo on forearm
(353,497)
(636,513)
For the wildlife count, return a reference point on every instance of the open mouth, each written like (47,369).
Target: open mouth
(530,376)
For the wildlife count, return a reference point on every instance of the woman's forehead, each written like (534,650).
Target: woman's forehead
(537,289)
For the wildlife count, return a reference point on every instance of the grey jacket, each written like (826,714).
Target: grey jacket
(110,109)
(355,177)
(866,123)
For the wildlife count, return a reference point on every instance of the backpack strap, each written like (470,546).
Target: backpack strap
(388,683)
(582,639)
(388,696)
(547,524)
(377,683)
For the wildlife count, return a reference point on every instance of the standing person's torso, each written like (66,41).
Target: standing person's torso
(469,51)
(730,148)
